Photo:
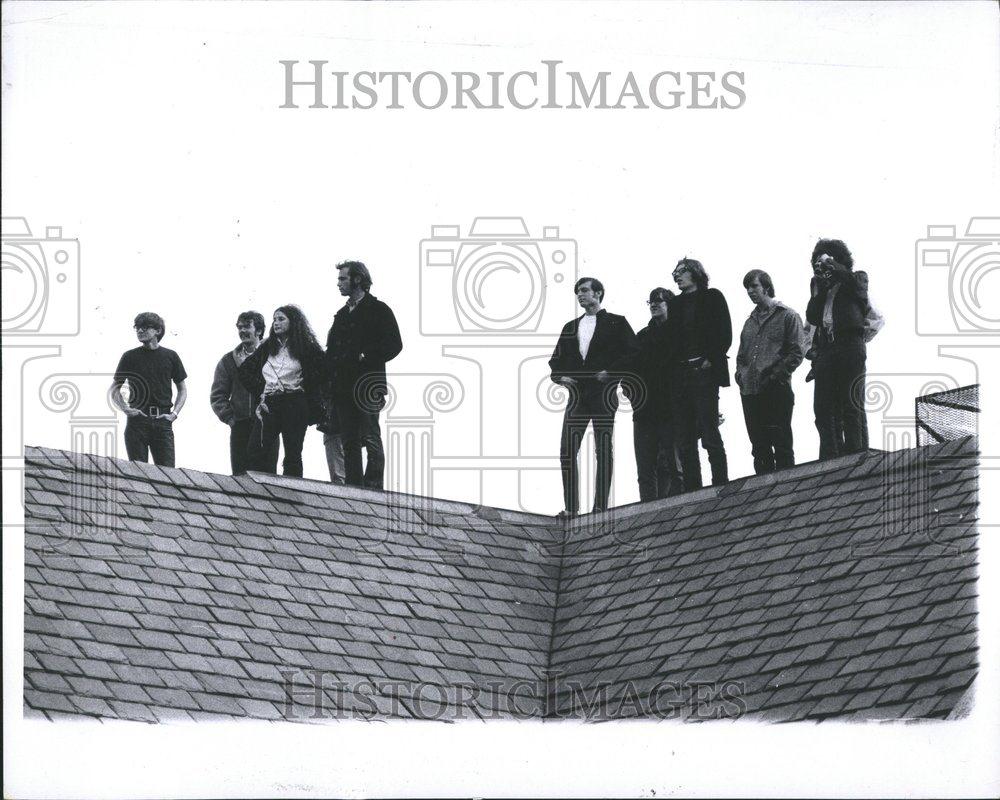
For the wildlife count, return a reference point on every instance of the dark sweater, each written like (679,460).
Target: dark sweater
(647,385)
(708,332)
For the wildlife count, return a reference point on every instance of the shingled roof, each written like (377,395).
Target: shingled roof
(844,588)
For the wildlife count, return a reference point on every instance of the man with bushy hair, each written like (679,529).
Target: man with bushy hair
(149,371)
(839,309)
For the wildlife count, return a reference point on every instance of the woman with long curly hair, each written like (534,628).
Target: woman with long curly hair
(286,374)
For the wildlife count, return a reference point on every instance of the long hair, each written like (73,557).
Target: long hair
(834,248)
(698,274)
(302,342)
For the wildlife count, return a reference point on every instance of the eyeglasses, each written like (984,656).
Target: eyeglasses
(656,302)
(147,328)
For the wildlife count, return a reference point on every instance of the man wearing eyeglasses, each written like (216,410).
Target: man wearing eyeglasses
(149,371)
(648,389)
(704,332)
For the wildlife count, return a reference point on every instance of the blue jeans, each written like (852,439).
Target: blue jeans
(145,435)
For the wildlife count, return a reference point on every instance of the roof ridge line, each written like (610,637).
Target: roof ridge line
(807,469)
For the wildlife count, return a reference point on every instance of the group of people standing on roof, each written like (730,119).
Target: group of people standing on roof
(672,371)
(273,388)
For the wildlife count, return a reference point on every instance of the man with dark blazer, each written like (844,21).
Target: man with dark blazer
(587,361)
(364,336)
(703,331)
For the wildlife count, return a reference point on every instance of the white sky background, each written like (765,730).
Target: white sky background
(152,134)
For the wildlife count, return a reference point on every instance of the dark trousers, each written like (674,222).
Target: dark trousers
(656,462)
(359,429)
(288,417)
(145,435)
(581,412)
(768,415)
(838,401)
(696,416)
(239,444)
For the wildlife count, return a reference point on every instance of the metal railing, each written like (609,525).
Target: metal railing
(945,416)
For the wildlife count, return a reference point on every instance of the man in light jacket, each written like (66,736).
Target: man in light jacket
(771,349)
(230,401)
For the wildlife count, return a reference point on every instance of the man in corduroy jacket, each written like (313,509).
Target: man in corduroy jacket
(363,337)
(587,360)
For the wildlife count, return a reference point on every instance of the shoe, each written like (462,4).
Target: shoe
(566,514)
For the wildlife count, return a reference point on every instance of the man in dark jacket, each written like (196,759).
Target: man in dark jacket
(587,360)
(364,336)
(648,390)
(231,402)
(839,309)
(699,319)
(771,349)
